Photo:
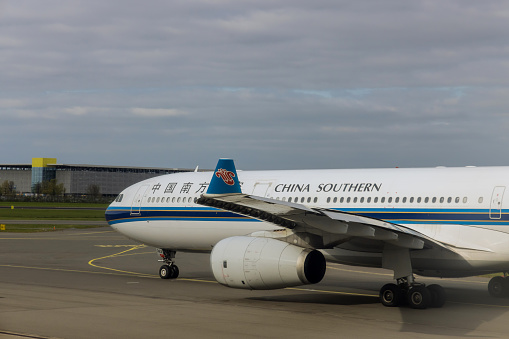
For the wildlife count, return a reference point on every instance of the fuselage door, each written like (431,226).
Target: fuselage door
(496,202)
(261,187)
(138,198)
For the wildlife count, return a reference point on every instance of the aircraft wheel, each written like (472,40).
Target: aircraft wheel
(498,287)
(165,272)
(174,272)
(390,295)
(438,296)
(418,297)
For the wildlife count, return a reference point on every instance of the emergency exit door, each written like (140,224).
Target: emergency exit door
(496,202)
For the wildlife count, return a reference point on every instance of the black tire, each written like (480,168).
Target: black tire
(497,287)
(390,295)
(438,295)
(174,272)
(418,297)
(165,272)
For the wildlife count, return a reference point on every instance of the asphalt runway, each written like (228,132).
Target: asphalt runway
(97,284)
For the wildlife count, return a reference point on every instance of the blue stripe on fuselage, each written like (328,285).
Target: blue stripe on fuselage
(116,215)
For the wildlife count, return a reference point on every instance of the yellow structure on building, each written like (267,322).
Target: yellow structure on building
(43,162)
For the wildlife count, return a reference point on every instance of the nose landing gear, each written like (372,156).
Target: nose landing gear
(169,270)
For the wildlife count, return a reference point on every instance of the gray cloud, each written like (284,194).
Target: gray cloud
(289,84)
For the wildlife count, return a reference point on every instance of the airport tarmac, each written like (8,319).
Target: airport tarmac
(96,283)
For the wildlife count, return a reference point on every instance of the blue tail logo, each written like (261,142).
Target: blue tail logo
(225,179)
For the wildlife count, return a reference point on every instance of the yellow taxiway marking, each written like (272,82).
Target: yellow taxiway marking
(78,271)
(108,246)
(354,271)
(91,262)
(330,292)
(128,274)
(390,275)
(87,233)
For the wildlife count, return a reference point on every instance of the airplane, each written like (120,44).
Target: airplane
(278,229)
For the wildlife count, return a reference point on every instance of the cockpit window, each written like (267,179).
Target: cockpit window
(119,198)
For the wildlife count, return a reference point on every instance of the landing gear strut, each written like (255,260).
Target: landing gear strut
(169,270)
(413,294)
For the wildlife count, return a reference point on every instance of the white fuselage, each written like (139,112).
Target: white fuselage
(463,208)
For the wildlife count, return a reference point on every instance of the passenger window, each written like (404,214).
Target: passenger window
(419,200)
(342,200)
(335,200)
(302,199)
(362,200)
(404,200)
(284,199)
(434,200)
(369,200)
(290,199)
(411,200)
(315,200)
(449,200)
(355,200)
(328,200)
(396,200)
(441,200)
(348,200)
(173,200)
(480,200)
(426,200)
(389,200)
(465,199)
(309,199)
(375,200)
(382,200)
(457,200)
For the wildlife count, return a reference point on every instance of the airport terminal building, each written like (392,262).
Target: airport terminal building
(77,179)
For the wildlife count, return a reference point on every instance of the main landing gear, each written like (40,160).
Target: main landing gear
(169,270)
(413,294)
(498,287)
(406,291)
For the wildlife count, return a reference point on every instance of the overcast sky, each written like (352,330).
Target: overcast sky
(273,84)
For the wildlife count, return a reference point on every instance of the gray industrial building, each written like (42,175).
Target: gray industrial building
(77,178)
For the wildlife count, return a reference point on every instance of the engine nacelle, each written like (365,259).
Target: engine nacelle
(264,263)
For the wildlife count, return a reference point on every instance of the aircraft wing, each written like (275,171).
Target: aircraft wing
(332,226)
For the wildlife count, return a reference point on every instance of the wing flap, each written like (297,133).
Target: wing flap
(318,221)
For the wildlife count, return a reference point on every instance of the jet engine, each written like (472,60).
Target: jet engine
(264,263)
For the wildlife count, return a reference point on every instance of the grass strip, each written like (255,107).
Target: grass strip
(51,214)
(51,204)
(33,228)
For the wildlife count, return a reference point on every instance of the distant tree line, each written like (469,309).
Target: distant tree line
(51,188)
(52,191)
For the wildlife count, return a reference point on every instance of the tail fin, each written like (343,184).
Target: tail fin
(225,179)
